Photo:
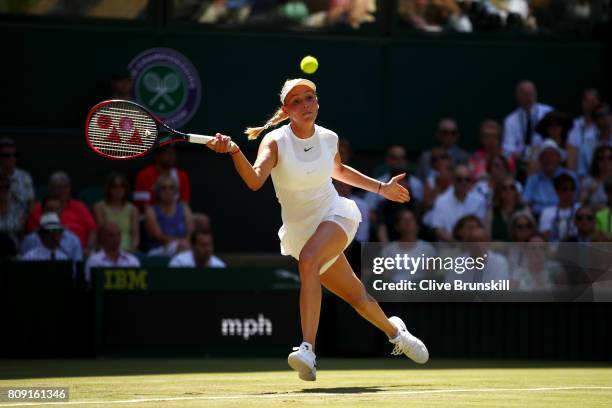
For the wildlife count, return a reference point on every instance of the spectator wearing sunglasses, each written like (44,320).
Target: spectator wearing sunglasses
(22,189)
(457,202)
(506,202)
(557,221)
(447,136)
(522,226)
(603,217)
(584,222)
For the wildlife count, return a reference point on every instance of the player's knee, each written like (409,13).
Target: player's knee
(308,262)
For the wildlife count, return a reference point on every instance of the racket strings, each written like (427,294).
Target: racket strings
(121,130)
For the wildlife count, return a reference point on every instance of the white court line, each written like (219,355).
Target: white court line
(301,395)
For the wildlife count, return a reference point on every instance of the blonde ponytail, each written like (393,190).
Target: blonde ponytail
(254,132)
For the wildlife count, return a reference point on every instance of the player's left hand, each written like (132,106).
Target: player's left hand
(394,191)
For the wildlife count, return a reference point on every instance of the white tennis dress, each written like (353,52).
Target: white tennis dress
(303,184)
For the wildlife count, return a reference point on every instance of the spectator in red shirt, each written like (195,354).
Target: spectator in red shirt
(490,145)
(164,164)
(74,214)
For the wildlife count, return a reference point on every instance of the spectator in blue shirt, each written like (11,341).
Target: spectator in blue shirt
(539,189)
(69,242)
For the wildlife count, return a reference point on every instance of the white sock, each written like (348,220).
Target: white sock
(397,335)
(307,345)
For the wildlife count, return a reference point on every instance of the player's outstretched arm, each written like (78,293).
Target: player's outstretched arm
(391,191)
(253,175)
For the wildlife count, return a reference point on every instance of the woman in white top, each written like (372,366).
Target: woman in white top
(318,224)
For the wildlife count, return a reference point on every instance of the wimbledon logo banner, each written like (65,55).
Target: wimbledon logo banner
(167,83)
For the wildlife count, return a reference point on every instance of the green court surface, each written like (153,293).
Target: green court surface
(341,383)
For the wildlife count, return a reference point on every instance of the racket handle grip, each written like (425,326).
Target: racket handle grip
(200,139)
(203,139)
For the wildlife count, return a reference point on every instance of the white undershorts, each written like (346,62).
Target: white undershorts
(349,227)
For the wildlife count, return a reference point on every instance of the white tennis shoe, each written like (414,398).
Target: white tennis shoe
(304,361)
(406,343)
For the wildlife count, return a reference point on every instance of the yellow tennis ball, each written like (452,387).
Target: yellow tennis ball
(309,64)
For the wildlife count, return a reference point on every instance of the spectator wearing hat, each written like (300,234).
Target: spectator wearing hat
(74,214)
(554,125)
(22,189)
(164,163)
(519,125)
(69,243)
(603,122)
(200,255)
(583,128)
(447,136)
(110,253)
(50,234)
(539,189)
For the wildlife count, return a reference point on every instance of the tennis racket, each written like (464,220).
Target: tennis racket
(121,130)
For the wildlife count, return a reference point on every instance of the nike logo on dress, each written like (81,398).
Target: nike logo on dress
(305,149)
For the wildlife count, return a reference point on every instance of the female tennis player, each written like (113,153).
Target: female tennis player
(318,224)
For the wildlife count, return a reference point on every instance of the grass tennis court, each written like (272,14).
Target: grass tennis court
(341,383)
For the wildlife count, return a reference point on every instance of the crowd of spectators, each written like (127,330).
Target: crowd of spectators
(536,177)
(121,229)
(579,18)
(288,13)
(582,17)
